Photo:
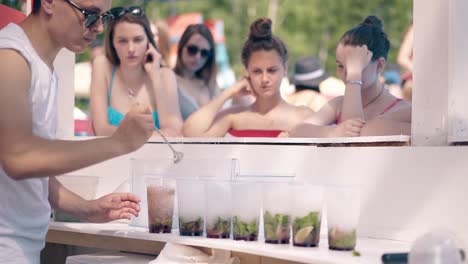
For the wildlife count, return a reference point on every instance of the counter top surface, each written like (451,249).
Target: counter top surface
(396,139)
(370,249)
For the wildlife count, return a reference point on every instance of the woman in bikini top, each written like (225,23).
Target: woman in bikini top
(265,59)
(131,73)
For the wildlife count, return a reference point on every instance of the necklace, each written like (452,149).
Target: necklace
(130,94)
(373,100)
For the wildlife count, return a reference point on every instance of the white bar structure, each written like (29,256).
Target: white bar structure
(408,190)
(431,76)
(458,69)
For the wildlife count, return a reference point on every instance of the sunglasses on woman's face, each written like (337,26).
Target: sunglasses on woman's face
(193,50)
(91,18)
(118,12)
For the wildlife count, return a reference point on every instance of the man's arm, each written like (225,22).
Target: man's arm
(24,155)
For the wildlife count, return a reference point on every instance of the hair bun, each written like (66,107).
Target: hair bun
(261,29)
(373,21)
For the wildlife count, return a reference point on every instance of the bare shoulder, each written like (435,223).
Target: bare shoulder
(16,66)
(236,110)
(302,111)
(13,57)
(401,112)
(101,63)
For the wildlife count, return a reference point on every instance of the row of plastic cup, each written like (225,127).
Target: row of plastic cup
(228,205)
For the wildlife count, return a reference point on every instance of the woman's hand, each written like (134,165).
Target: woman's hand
(152,62)
(241,88)
(356,60)
(348,128)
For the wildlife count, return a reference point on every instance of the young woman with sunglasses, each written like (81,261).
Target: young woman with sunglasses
(196,69)
(30,154)
(367,108)
(132,73)
(265,58)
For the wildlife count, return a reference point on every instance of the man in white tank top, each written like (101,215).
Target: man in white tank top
(30,157)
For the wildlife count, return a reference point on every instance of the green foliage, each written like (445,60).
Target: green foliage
(312,219)
(276,226)
(309,27)
(16,4)
(244,229)
(342,239)
(82,103)
(309,222)
(191,226)
(162,221)
(222,226)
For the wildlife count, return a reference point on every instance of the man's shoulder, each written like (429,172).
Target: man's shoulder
(14,57)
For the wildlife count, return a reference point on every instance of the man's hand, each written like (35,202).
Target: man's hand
(111,207)
(135,129)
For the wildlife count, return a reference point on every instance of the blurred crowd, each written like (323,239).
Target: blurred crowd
(193,76)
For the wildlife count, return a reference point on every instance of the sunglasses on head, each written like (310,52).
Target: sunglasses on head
(118,12)
(193,50)
(91,17)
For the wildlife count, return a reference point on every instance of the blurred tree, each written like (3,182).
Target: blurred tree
(309,27)
(16,4)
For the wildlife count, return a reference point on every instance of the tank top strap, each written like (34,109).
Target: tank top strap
(391,105)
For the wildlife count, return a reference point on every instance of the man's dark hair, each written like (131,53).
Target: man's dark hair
(36,6)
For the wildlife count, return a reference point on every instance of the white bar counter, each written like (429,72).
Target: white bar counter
(121,236)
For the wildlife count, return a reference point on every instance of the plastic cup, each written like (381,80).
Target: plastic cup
(437,247)
(192,202)
(246,204)
(277,212)
(160,193)
(218,209)
(306,214)
(343,208)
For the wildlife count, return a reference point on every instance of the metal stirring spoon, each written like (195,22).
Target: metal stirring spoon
(176,154)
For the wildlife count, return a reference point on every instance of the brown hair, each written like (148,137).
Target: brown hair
(208,72)
(142,20)
(369,32)
(36,6)
(261,38)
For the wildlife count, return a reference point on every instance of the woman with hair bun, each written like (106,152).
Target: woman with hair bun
(265,58)
(367,108)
